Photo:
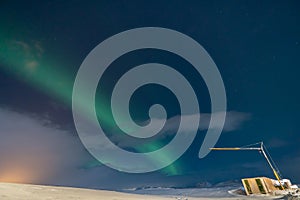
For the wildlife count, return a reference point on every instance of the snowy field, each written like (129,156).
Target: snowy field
(11,191)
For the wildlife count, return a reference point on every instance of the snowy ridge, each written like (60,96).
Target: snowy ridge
(209,190)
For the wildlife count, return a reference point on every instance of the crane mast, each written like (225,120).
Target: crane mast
(259,149)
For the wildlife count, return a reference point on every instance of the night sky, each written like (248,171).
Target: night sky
(255,45)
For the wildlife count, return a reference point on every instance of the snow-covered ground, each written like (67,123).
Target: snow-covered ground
(11,191)
(189,192)
(218,190)
(221,190)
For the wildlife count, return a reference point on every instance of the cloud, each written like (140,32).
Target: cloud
(29,52)
(34,48)
(233,121)
(34,151)
(277,142)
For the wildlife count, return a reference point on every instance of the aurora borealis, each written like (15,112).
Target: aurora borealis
(42,45)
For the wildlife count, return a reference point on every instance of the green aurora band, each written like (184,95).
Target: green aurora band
(27,63)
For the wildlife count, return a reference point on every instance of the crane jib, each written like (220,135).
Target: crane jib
(260,149)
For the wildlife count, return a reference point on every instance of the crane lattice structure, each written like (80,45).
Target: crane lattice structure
(263,150)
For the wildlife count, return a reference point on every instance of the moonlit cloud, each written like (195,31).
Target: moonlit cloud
(234,121)
(34,151)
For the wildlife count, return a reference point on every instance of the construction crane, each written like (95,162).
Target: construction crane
(262,149)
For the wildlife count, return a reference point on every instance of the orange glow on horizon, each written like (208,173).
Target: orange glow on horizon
(15,175)
(29,170)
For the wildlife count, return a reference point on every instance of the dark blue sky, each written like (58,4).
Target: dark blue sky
(255,45)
